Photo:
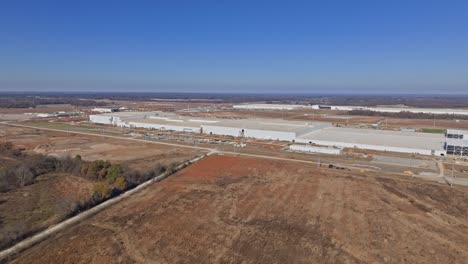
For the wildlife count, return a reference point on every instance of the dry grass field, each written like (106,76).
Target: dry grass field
(93,148)
(243,210)
(51,197)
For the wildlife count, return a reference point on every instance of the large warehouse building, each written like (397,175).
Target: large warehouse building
(456,142)
(383,140)
(262,128)
(268,106)
(250,128)
(312,133)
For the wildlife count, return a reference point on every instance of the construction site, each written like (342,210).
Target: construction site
(316,133)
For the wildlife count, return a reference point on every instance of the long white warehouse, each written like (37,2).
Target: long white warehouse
(382,140)
(262,128)
(312,133)
(268,106)
(315,149)
(437,111)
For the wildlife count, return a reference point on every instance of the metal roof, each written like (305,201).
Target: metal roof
(457,131)
(379,137)
(270,124)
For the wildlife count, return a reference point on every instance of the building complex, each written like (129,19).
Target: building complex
(310,133)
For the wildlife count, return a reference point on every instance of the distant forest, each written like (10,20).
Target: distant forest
(22,101)
(30,99)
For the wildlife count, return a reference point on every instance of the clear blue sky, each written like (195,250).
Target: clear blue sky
(331,46)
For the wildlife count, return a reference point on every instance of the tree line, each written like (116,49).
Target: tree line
(21,101)
(111,178)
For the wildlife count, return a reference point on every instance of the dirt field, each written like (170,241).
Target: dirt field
(50,198)
(93,148)
(232,210)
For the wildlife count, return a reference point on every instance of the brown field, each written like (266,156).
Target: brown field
(51,197)
(243,210)
(93,148)
(35,207)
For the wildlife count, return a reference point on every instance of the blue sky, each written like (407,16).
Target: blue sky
(235,46)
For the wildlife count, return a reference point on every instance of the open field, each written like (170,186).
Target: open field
(229,210)
(93,148)
(50,198)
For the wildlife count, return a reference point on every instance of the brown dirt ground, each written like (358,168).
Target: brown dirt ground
(93,148)
(47,201)
(244,210)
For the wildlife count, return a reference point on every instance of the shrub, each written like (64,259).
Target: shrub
(114,172)
(102,190)
(120,184)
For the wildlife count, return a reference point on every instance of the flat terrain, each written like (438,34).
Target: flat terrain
(93,148)
(231,210)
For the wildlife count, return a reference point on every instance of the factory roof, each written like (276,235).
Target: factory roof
(457,142)
(129,114)
(270,124)
(457,131)
(378,137)
(421,110)
(269,106)
(185,122)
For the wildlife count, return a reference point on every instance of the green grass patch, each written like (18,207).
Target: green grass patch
(50,124)
(434,130)
(76,128)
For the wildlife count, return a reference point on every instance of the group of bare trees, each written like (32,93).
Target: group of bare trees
(22,101)
(111,178)
(24,168)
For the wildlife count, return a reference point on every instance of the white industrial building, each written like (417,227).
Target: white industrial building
(169,124)
(437,111)
(315,149)
(118,118)
(338,108)
(268,106)
(313,133)
(382,140)
(104,110)
(456,142)
(271,129)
